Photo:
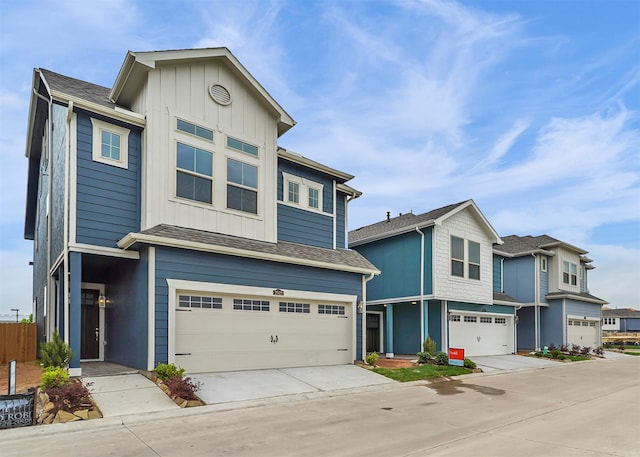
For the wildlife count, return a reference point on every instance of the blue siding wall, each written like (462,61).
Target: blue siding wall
(305,227)
(502,309)
(583,279)
(56,200)
(435,323)
(341,220)
(519,278)
(428,261)
(398,258)
(497,273)
(108,197)
(406,329)
(126,317)
(198,266)
(544,284)
(579,308)
(526,328)
(308,173)
(630,324)
(40,247)
(551,324)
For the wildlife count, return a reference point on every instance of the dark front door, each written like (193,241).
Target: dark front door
(90,331)
(373,332)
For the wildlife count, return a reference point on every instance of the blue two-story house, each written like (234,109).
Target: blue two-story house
(168,225)
(549,278)
(439,278)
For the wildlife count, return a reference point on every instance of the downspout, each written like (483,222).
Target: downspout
(363,323)
(536,301)
(422,336)
(67,164)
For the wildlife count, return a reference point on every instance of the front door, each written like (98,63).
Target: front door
(373,332)
(90,331)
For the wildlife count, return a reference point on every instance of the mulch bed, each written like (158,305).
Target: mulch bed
(394,363)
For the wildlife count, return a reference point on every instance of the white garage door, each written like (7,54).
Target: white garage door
(481,333)
(583,332)
(227,333)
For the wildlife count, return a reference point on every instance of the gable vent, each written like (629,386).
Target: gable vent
(220,94)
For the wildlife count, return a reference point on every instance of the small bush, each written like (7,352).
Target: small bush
(538,354)
(166,371)
(598,351)
(441,358)
(27,320)
(70,397)
(54,377)
(184,388)
(564,348)
(424,357)
(371,359)
(561,357)
(429,345)
(554,353)
(55,353)
(552,347)
(468,363)
(585,350)
(575,349)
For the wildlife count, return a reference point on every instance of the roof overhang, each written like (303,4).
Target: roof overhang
(471,205)
(524,253)
(301,160)
(132,239)
(562,244)
(137,65)
(569,295)
(391,233)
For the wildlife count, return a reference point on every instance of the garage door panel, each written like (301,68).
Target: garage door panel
(583,332)
(484,336)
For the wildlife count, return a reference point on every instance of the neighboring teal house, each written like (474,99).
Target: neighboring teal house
(440,278)
(549,278)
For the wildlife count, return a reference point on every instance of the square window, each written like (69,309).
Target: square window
(110,144)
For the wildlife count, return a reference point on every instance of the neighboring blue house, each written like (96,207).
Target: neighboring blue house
(549,277)
(621,320)
(168,226)
(439,278)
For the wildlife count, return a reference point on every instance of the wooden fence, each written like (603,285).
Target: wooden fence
(18,342)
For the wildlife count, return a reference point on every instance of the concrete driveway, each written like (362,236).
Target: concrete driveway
(255,384)
(493,363)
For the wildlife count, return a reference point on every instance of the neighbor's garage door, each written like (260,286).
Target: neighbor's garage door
(481,333)
(226,333)
(583,332)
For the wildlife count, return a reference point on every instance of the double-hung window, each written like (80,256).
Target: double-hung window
(294,192)
(110,144)
(242,186)
(302,192)
(569,273)
(314,198)
(465,258)
(194,178)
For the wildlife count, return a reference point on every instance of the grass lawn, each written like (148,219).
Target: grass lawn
(420,372)
(576,358)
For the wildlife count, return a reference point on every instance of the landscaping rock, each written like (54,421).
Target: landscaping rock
(64,416)
(94,414)
(82,414)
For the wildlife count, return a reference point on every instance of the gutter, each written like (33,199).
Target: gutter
(363,323)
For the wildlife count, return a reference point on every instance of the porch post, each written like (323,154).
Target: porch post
(75,323)
(425,314)
(389,327)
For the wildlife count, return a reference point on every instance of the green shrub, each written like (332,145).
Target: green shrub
(54,377)
(538,354)
(55,353)
(468,363)
(27,320)
(424,357)
(555,353)
(441,358)
(561,357)
(429,346)
(371,359)
(166,371)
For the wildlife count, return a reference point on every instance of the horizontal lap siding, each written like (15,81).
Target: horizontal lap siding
(341,221)
(497,273)
(519,277)
(215,268)
(108,197)
(578,308)
(551,324)
(526,328)
(304,227)
(57,170)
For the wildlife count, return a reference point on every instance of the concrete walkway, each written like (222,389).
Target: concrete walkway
(494,363)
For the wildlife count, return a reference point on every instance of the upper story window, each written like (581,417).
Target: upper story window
(569,273)
(242,146)
(302,192)
(194,129)
(461,256)
(609,321)
(543,263)
(110,144)
(194,173)
(242,186)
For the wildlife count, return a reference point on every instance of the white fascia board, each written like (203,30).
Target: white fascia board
(568,246)
(507,303)
(524,253)
(479,313)
(391,301)
(579,298)
(354,193)
(101,250)
(301,160)
(132,238)
(120,114)
(470,203)
(400,231)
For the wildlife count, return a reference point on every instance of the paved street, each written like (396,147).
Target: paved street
(579,409)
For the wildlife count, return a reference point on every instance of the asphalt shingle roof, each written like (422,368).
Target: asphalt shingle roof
(514,244)
(628,312)
(584,295)
(78,88)
(338,257)
(398,223)
(500,296)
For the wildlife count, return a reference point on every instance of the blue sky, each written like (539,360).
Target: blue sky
(529,107)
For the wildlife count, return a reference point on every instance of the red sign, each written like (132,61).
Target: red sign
(456,356)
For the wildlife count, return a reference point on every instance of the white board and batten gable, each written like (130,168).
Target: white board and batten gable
(210,92)
(466,222)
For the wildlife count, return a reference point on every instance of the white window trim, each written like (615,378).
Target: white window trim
(242,186)
(465,261)
(543,264)
(100,126)
(176,169)
(303,196)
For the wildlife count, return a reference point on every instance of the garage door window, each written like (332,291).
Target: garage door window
(501,320)
(287,307)
(331,309)
(250,305)
(485,320)
(470,319)
(195,301)
(455,318)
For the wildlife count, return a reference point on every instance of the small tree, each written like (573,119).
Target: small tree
(429,346)
(55,353)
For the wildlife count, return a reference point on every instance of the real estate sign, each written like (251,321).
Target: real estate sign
(456,357)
